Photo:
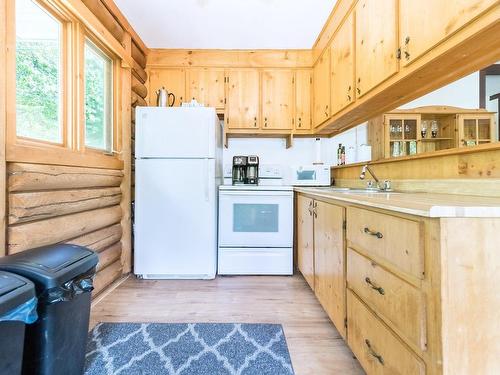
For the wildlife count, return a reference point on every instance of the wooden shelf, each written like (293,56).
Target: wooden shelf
(437,139)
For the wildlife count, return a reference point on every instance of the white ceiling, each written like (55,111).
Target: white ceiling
(227,24)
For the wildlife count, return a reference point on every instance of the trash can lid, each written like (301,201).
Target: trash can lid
(50,266)
(14,291)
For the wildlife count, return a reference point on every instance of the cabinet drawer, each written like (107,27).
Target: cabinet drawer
(394,240)
(378,350)
(400,304)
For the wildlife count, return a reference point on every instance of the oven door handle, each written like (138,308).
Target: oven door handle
(256,193)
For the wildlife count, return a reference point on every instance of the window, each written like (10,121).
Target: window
(38,73)
(98,98)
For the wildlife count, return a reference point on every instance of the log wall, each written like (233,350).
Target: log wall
(50,204)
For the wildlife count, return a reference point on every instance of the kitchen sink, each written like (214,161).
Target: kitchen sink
(354,190)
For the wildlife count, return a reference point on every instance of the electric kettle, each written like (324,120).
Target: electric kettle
(162,98)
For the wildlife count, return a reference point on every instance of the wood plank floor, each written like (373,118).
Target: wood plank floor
(315,345)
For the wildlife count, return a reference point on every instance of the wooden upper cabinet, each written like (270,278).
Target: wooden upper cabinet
(206,86)
(174,80)
(376,43)
(321,89)
(425,23)
(277,99)
(242,106)
(342,67)
(329,261)
(303,99)
(305,238)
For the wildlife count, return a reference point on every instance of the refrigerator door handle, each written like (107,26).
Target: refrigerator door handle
(206,177)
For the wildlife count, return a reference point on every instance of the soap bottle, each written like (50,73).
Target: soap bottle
(339,152)
(342,155)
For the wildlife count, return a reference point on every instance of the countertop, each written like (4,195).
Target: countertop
(421,204)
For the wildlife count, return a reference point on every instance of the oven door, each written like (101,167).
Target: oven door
(255,219)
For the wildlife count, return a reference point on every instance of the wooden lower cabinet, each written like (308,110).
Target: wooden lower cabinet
(329,261)
(378,350)
(305,238)
(419,294)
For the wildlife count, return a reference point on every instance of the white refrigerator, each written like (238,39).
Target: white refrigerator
(178,168)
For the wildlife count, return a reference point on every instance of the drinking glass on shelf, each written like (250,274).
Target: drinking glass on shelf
(423,129)
(434,128)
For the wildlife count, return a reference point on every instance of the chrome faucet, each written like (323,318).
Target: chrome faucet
(386,186)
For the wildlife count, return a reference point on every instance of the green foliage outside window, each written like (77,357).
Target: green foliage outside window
(38,89)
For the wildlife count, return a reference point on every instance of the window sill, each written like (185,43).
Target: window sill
(23,153)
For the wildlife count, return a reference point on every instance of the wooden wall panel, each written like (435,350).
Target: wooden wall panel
(29,177)
(59,229)
(230,58)
(30,206)
(109,255)
(99,239)
(106,276)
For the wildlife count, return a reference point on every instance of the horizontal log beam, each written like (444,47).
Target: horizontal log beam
(229,58)
(99,239)
(106,276)
(109,255)
(30,206)
(138,101)
(29,177)
(59,229)
(138,56)
(139,73)
(106,18)
(139,88)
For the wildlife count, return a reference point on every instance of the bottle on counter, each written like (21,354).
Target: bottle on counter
(339,153)
(342,156)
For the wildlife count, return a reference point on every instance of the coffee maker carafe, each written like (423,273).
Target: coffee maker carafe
(253,170)
(239,170)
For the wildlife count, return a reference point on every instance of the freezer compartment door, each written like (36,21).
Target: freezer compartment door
(255,261)
(175,218)
(177,132)
(255,219)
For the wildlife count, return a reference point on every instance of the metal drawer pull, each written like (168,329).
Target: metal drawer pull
(373,352)
(370,232)
(373,286)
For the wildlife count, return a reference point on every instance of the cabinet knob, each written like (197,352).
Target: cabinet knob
(373,233)
(349,97)
(407,40)
(358,90)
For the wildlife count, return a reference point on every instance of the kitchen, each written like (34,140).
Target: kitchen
(277,199)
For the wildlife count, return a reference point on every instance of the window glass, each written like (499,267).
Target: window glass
(98,98)
(38,73)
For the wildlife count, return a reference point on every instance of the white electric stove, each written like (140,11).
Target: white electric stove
(256,229)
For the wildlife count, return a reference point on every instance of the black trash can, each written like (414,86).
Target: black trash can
(63,277)
(17,308)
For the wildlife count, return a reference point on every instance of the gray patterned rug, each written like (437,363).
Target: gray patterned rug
(187,349)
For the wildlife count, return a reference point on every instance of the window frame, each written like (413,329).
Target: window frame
(87,35)
(77,25)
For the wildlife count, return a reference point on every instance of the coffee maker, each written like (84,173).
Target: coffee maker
(239,170)
(252,170)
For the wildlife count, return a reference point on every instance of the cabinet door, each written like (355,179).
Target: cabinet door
(174,80)
(303,91)
(277,99)
(475,129)
(342,78)
(329,261)
(242,106)
(321,84)
(206,86)
(376,43)
(425,23)
(305,240)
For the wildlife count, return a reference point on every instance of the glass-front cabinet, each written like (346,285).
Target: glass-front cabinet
(431,128)
(402,135)
(475,129)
